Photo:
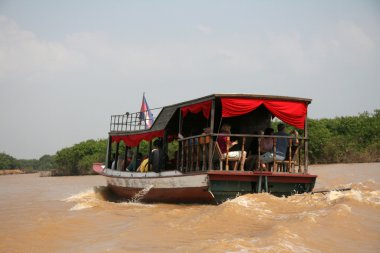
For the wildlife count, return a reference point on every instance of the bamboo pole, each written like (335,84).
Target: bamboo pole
(211,146)
(242,162)
(228,150)
(306,155)
(197,155)
(274,154)
(204,153)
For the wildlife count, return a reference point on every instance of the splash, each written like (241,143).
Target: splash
(90,198)
(84,200)
(366,197)
(141,194)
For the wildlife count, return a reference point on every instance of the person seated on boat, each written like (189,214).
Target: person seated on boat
(135,163)
(172,164)
(281,146)
(295,139)
(222,142)
(282,143)
(266,147)
(120,163)
(156,156)
(113,164)
(129,157)
(144,165)
(253,151)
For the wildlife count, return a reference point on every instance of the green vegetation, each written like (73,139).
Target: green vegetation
(78,159)
(343,139)
(7,162)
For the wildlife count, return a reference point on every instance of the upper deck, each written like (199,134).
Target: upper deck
(196,149)
(134,123)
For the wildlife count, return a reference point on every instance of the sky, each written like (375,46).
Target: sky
(66,66)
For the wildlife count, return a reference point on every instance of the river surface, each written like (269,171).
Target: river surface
(75,214)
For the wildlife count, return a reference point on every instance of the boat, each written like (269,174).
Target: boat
(192,168)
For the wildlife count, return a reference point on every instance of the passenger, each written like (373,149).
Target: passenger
(266,144)
(135,163)
(266,147)
(281,146)
(295,135)
(253,151)
(294,145)
(156,156)
(113,164)
(282,143)
(143,165)
(120,163)
(222,142)
(173,161)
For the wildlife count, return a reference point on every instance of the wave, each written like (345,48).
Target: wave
(103,197)
(260,206)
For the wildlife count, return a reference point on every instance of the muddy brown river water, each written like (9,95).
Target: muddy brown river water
(76,214)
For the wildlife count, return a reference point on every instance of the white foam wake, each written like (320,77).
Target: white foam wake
(141,193)
(84,200)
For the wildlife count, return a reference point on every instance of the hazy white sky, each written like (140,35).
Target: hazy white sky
(66,66)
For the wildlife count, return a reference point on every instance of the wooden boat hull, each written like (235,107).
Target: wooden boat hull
(211,187)
(228,184)
(199,195)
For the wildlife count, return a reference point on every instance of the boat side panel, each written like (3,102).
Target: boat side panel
(228,185)
(166,195)
(253,177)
(175,189)
(183,181)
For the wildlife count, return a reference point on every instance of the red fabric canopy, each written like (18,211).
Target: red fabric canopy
(290,112)
(205,107)
(134,139)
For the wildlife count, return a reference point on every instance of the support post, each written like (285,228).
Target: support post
(203,153)
(149,152)
(242,159)
(125,157)
(109,152)
(228,150)
(259,184)
(306,155)
(117,155)
(266,183)
(211,144)
(258,153)
(274,154)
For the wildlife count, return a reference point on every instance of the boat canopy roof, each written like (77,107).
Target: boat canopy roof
(291,110)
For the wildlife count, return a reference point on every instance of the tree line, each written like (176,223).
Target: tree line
(345,139)
(339,140)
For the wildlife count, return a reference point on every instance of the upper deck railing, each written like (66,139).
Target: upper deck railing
(133,121)
(199,153)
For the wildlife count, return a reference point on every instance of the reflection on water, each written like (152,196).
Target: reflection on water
(80,214)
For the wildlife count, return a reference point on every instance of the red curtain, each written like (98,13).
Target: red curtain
(205,107)
(290,112)
(134,139)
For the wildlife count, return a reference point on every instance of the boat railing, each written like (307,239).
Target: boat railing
(200,153)
(133,121)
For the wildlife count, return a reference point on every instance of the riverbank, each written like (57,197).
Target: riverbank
(11,172)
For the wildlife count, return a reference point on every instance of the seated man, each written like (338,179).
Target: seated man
(281,146)
(253,151)
(282,143)
(135,163)
(157,157)
(143,165)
